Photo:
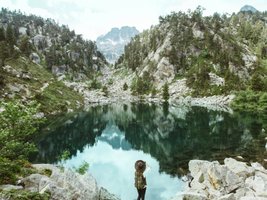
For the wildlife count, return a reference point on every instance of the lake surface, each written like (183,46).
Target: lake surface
(112,137)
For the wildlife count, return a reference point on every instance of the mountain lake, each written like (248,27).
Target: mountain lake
(112,137)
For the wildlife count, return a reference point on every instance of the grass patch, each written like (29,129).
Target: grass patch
(24,195)
(56,97)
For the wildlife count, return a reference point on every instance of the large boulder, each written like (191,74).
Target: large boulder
(239,168)
(22,30)
(65,184)
(35,58)
(233,180)
(39,41)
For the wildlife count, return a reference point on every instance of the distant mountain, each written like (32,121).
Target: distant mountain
(112,44)
(248,8)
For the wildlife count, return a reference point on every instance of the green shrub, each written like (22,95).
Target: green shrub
(250,101)
(18,124)
(25,195)
(141,86)
(95,84)
(105,90)
(83,168)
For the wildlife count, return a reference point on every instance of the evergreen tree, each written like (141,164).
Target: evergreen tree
(257,83)
(165,92)
(10,36)
(125,86)
(3,52)
(25,46)
(2,34)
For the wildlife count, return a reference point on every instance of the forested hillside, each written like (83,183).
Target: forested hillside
(216,54)
(36,54)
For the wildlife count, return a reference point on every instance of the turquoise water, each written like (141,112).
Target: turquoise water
(111,138)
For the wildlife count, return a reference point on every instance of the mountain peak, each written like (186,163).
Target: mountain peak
(248,8)
(112,44)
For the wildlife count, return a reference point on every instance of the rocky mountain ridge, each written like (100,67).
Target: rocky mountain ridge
(112,44)
(248,8)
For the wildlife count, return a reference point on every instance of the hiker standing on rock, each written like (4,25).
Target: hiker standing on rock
(140,179)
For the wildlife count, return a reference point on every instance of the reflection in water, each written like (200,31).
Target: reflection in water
(110,138)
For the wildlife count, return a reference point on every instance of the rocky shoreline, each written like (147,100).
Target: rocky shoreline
(60,184)
(233,180)
(97,97)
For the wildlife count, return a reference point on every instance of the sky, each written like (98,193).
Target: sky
(92,18)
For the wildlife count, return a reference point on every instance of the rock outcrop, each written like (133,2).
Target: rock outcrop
(233,180)
(63,184)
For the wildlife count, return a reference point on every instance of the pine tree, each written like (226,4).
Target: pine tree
(165,92)
(10,36)
(25,46)
(3,52)
(2,34)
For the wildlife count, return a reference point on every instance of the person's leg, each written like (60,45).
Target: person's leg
(139,194)
(143,193)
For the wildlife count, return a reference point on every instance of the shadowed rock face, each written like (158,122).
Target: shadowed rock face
(112,44)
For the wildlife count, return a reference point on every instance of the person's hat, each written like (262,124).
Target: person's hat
(140,165)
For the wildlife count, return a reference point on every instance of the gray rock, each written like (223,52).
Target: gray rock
(239,168)
(11,70)
(198,34)
(257,166)
(23,30)
(66,185)
(74,56)
(194,196)
(216,80)
(39,115)
(31,182)
(59,70)
(252,198)
(242,192)
(228,197)
(196,166)
(165,72)
(105,195)
(39,40)
(15,88)
(10,187)
(35,58)
(233,180)
(256,183)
